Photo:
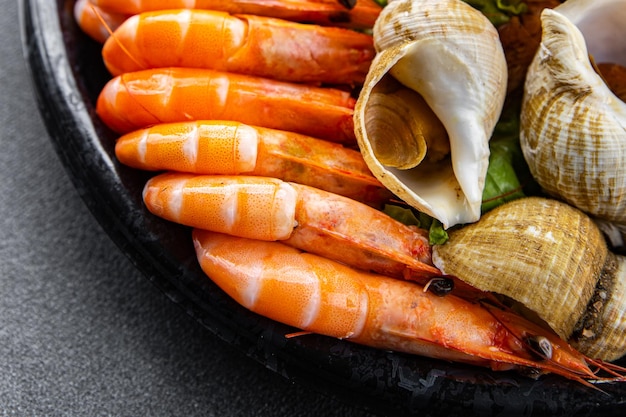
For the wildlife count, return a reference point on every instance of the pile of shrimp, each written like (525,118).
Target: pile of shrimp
(244,112)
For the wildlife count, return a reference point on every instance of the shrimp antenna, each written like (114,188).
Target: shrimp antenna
(104,23)
(544,350)
(138,103)
(111,32)
(618,372)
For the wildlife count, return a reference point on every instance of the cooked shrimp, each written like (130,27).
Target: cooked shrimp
(244,44)
(225,147)
(318,295)
(95,22)
(140,99)
(327,12)
(305,217)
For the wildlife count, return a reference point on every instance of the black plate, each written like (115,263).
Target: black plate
(68,74)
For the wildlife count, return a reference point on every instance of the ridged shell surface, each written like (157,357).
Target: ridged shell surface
(573,128)
(604,334)
(450,54)
(550,257)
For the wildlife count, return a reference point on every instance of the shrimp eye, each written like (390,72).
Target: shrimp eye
(348,4)
(440,286)
(540,345)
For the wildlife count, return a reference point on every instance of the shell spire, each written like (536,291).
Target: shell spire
(449,55)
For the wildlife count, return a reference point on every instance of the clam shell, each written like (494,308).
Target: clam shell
(450,54)
(573,128)
(550,258)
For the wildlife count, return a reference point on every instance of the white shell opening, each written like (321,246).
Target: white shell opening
(603,40)
(451,55)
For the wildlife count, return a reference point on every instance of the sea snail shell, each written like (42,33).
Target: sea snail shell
(551,258)
(573,128)
(448,56)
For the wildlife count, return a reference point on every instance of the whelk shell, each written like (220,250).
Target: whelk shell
(449,55)
(573,128)
(551,258)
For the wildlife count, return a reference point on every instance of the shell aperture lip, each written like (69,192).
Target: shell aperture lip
(451,55)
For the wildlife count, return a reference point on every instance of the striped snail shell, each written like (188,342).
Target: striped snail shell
(552,260)
(432,97)
(573,127)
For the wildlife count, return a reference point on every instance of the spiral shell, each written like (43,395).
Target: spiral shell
(552,259)
(449,55)
(573,128)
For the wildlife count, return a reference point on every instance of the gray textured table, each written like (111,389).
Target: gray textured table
(81,331)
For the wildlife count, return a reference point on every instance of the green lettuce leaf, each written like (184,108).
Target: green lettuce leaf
(499,11)
(501,183)
(436,233)
(506,161)
(402,214)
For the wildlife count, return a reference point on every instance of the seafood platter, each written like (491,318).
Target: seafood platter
(416,205)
